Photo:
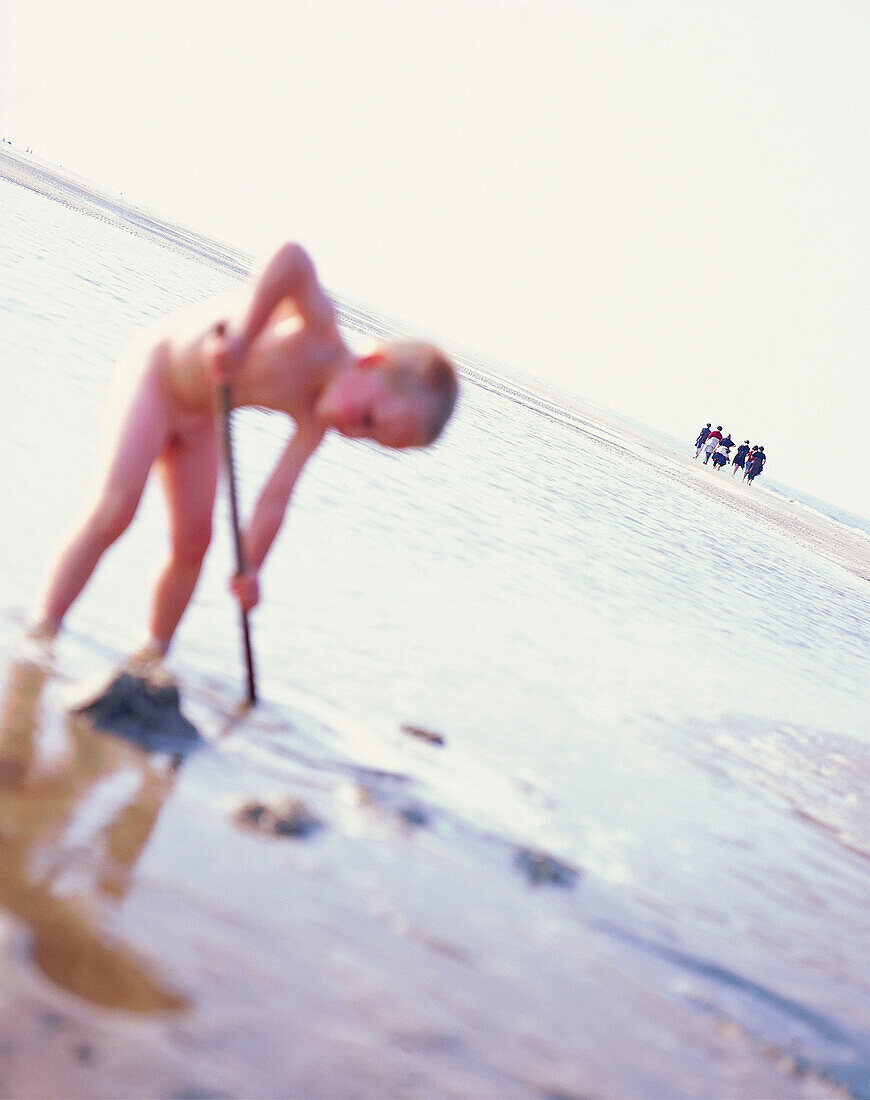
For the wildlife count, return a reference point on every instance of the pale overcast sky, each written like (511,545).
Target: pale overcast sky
(660,206)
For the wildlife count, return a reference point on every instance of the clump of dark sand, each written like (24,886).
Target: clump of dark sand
(414,816)
(541,868)
(146,711)
(279,816)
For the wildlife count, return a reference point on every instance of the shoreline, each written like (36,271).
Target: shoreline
(842,546)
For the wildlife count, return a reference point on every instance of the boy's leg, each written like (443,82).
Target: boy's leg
(142,435)
(189,471)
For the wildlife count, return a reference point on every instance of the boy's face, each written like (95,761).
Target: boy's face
(366,406)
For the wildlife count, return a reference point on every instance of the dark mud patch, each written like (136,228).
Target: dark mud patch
(282,816)
(543,869)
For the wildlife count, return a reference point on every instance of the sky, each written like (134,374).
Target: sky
(658,206)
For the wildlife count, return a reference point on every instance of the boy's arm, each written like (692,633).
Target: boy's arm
(272,503)
(290,274)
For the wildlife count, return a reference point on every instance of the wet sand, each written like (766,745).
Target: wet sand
(158,948)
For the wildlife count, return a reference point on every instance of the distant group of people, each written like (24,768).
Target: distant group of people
(750,458)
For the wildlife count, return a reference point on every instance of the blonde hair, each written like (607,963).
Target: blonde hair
(424,368)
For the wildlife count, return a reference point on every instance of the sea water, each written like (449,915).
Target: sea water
(628,675)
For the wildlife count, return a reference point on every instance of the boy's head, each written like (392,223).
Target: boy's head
(400,396)
(426,377)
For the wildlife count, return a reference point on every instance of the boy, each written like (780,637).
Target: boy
(755,463)
(740,457)
(713,441)
(702,439)
(280,350)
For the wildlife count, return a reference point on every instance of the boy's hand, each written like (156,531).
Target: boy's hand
(246,588)
(225,353)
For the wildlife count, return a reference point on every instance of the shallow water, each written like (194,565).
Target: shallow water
(627,674)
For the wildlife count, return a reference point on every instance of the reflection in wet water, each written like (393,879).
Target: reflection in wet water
(69,846)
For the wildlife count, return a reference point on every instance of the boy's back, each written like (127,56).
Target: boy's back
(285,365)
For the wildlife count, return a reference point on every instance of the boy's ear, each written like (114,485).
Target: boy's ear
(376,359)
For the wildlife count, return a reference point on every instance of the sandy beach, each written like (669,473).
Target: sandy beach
(155,943)
(370,979)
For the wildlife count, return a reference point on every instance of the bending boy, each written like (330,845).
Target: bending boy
(281,349)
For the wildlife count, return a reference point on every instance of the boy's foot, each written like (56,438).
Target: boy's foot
(36,648)
(142,672)
(147,664)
